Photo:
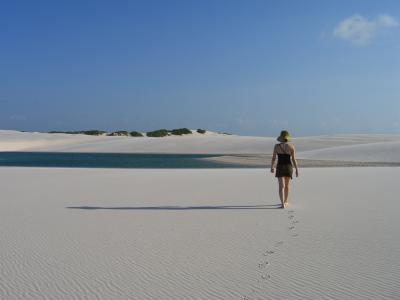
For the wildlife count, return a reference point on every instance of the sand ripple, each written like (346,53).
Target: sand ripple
(197,234)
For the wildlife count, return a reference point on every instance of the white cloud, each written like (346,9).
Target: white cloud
(359,31)
(387,21)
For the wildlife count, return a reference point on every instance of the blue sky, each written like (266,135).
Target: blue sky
(246,67)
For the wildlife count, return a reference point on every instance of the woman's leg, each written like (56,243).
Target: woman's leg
(281,190)
(286,189)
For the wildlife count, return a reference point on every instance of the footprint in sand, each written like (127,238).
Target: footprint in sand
(264,264)
(251,297)
(268,252)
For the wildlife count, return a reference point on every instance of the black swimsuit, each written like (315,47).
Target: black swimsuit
(284,167)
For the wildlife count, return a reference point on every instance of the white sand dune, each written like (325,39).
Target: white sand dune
(198,234)
(353,147)
(197,143)
(381,151)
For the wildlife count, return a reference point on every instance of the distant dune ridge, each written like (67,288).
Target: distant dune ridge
(343,147)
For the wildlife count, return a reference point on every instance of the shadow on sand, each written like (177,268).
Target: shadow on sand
(269,206)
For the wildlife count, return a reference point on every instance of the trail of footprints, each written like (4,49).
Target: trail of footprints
(263,265)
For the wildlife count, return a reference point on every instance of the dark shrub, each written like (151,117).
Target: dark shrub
(88,132)
(119,133)
(180,131)
(66,132)
(202,131)
(135,133)
(157,133)
(93,132)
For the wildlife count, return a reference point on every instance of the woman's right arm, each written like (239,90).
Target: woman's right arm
(273,160)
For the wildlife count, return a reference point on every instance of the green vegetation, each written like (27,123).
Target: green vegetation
(135,133)
(157,133)
(88,132)
(93,132)
(180,131)
(119,133)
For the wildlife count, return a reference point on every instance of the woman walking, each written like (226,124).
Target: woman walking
(284,168)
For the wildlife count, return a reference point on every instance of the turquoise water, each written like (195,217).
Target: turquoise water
(110,160)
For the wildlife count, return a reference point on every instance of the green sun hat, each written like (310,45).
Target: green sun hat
(284,137)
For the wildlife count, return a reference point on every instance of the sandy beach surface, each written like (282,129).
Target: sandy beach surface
(198,234)
(202,233)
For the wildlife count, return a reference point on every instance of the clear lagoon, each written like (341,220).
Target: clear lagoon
(111,160)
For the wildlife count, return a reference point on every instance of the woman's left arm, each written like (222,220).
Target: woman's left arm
(293,154)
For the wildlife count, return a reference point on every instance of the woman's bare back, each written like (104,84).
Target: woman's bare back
(284,148)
